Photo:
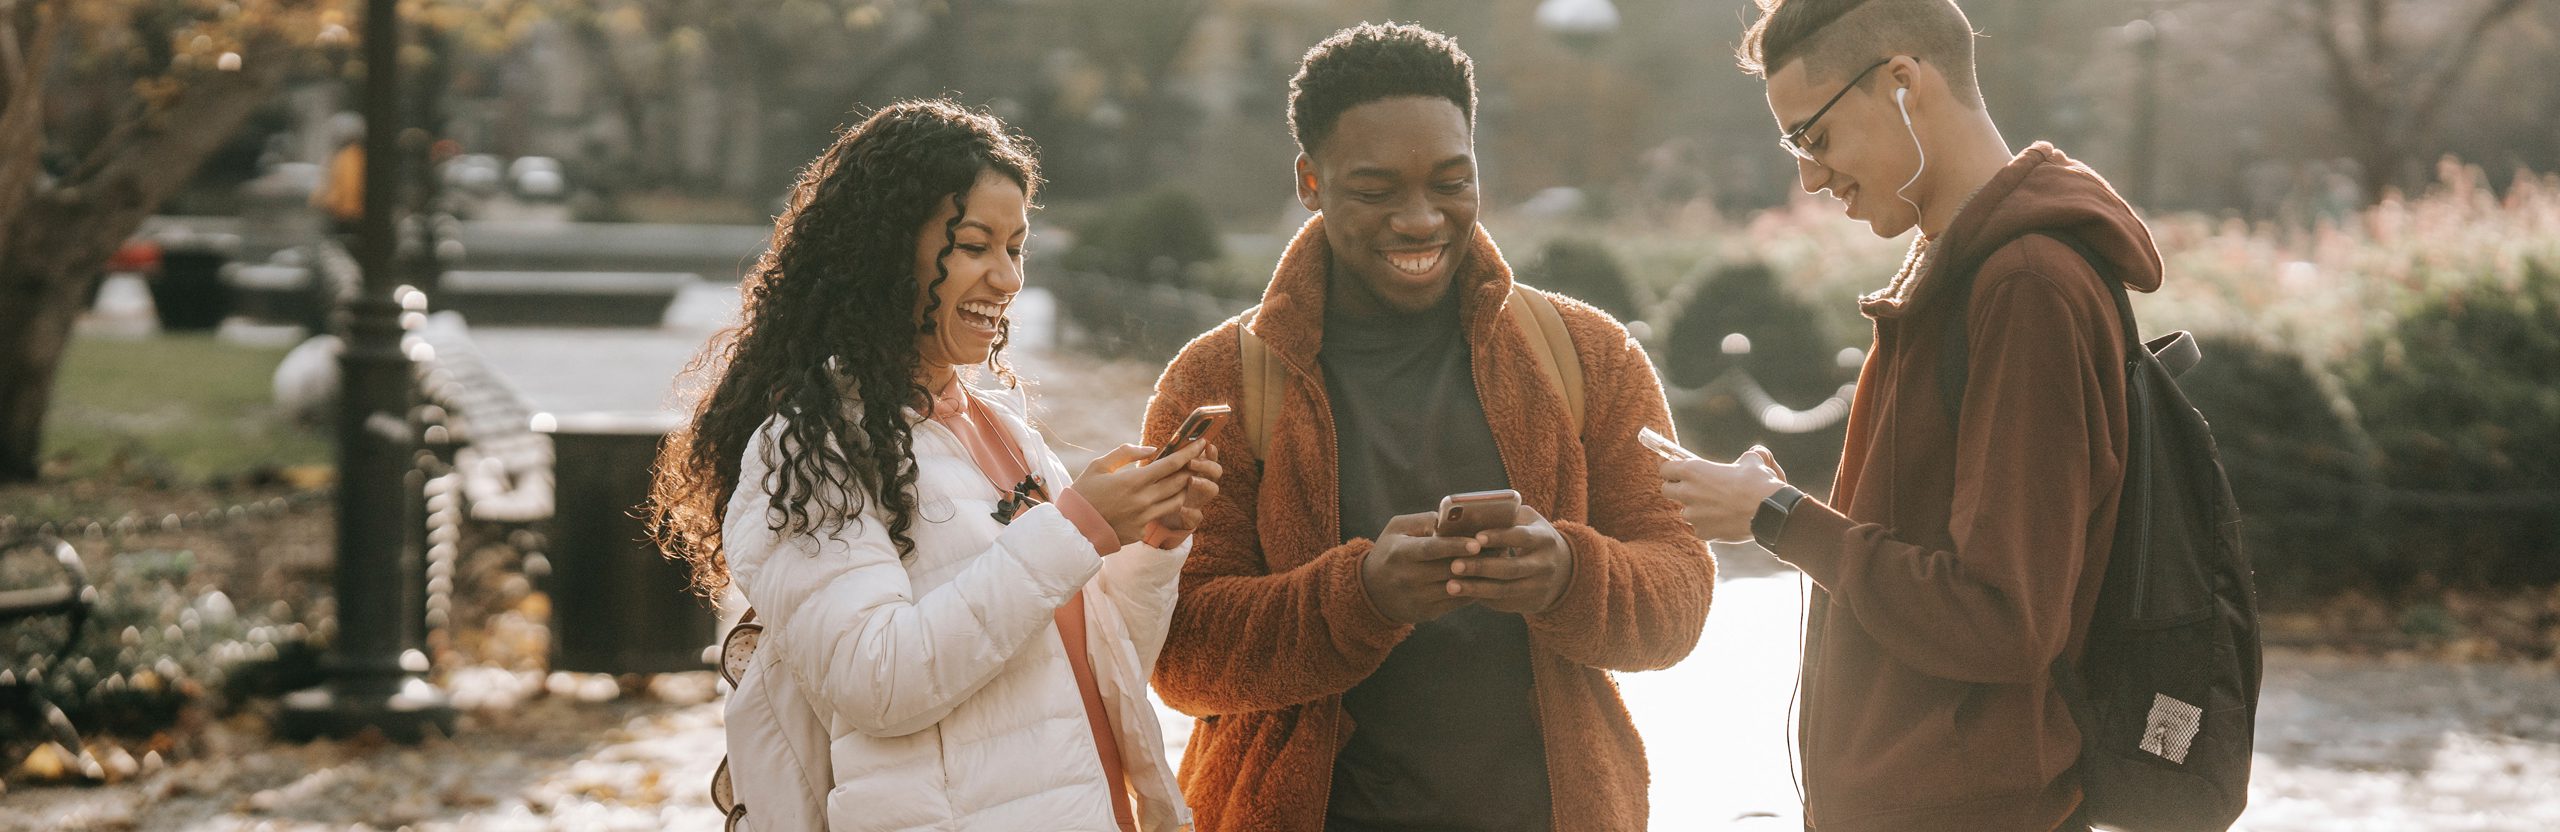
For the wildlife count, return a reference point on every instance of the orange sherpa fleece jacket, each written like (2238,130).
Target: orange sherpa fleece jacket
(1273,623)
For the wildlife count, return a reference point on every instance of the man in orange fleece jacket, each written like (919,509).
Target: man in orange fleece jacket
(1961,550)
(1352,671)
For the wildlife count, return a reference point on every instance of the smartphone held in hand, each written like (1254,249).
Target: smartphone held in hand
(1662,446)
(1465,515)
(1202,420)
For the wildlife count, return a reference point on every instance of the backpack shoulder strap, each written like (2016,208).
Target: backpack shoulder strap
(1537,317)
(1954,356)
(1263,378)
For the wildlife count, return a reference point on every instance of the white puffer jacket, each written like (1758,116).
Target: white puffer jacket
(934,690)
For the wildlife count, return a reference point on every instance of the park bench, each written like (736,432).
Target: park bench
(561,298)
(718,252)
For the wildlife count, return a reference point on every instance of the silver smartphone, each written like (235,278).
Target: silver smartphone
(1662,446)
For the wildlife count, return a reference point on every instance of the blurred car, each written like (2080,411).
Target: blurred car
(475,174)
(537,178)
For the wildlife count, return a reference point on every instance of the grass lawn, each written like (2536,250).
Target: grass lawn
(181,409)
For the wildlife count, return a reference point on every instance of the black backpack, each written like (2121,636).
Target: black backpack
(2166,694)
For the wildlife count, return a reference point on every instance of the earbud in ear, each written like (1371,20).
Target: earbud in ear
(1899,94)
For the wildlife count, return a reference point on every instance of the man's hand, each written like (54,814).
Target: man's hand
(1525,570)
(1720,498)
(1407,571)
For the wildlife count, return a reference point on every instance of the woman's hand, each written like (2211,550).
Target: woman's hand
(1131,492)
(1205,472)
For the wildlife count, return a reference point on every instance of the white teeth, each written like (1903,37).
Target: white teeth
(982,309)
(1415,263)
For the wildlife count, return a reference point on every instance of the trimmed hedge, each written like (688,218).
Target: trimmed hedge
(1792,355)
(1792,352)
(2462,400)
(2295,467)
(1164,236)
(1143,277)
(1586,270)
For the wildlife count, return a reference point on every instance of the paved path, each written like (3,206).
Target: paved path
(2346,746)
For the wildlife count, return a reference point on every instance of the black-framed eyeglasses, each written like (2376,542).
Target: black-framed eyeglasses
(1793,141)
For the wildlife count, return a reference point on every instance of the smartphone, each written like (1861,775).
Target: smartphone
(1662,446)
(1464,515)
(1203,419)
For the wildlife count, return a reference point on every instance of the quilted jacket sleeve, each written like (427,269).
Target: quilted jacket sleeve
(873,654)
(1141,582)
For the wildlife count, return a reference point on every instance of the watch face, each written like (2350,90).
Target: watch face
(1771,519)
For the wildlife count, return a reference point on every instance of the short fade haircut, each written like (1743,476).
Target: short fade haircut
(1836,38)
(1374,61)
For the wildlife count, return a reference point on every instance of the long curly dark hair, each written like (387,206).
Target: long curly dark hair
(829,320)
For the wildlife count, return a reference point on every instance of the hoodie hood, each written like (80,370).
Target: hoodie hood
(2040,191)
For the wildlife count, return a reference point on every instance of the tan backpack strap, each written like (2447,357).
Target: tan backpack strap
(1538,319)
(1263,376)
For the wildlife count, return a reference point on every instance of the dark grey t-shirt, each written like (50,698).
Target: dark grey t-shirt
(1445,731)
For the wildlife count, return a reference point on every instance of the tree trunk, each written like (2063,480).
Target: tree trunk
(61,237)
(2383,160)
(2387,111)
(37,307)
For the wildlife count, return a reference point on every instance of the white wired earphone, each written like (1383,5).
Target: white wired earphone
(1898,95)
(1804,593)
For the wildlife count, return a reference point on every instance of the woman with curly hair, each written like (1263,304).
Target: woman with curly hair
(957,635)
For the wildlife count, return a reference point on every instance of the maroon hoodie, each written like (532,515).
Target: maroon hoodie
(1956,561)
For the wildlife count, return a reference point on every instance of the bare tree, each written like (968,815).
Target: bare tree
(2391,71)
(1139,43)
(187,75)
(57,230)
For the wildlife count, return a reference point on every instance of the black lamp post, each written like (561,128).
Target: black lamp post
(374,677)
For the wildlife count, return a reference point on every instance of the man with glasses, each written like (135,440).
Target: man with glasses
(1960,551)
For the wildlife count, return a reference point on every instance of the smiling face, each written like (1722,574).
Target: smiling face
(963,318)
(1862,154)
(1396,183)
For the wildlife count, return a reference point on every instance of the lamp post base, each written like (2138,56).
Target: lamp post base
(403,708)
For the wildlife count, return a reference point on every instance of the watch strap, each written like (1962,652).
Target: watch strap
(1770,522)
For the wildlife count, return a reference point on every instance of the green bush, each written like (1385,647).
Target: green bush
(2295,466)
(1792,356)
(1164,236)
(1586,270)
(2444,471)
(2462,398)
(1792,353)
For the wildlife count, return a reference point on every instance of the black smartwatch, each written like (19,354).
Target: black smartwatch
(1770,521)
